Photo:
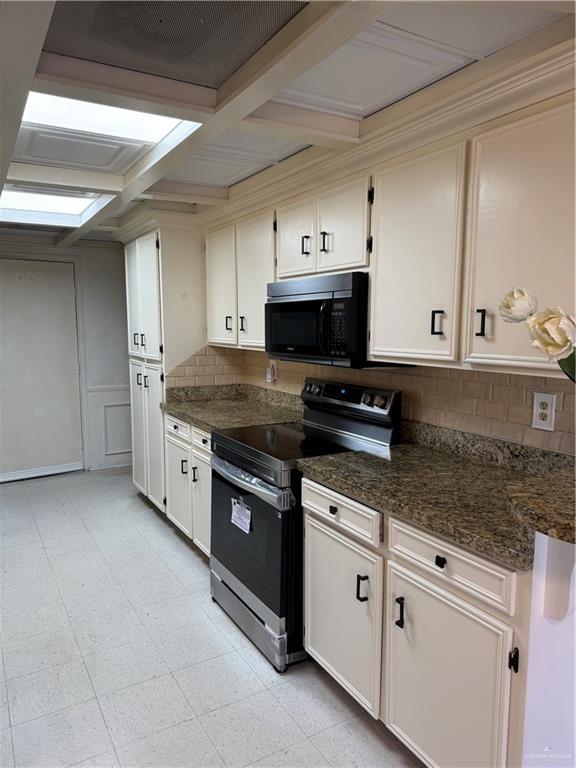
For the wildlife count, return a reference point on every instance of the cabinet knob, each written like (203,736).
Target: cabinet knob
(332,509)
(204,441)
(440,561)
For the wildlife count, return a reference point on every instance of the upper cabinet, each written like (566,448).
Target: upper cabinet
(416,264)
(521,232)
(328,231)
(221,286)
(239,266)
(143,295)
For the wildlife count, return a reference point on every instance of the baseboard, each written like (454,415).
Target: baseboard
(26,474)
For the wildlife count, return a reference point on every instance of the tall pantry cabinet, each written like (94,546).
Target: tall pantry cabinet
(165,293)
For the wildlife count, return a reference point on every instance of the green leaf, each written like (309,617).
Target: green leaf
(568,365)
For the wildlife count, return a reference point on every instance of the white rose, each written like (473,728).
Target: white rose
(517,305)
(553,333)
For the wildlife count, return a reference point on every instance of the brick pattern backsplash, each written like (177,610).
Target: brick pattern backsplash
(495,404)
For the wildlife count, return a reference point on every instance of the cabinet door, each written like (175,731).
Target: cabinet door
(139,448)
(416,263)
(521,232)
(296,238)
(447,678)
(150,296)
(343,226)
(201,499)
(178,492)
(255,267)
(221,286)
(153,389)
(133,298)
(343,611)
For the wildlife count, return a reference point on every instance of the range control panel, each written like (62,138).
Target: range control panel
(363,398)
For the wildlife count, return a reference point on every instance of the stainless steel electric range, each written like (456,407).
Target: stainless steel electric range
(256,560)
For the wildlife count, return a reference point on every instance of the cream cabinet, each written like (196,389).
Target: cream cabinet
(343,610)
(178,493)
(201,499)
(146,393)
(255,267)
(296,238)
(521,232)
(221,286)
(447,677)
(143,297)
(416,264)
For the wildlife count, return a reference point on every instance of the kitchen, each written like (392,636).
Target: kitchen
(296,347)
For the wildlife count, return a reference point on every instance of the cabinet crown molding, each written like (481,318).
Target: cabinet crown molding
(147,217)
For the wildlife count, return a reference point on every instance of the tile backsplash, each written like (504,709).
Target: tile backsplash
(498,405)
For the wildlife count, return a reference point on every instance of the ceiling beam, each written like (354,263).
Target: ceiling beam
(180,192)
(23,27)
(313,34)
(64,178)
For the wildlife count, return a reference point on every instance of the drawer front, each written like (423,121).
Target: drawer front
(355,519)
(490,583)
(201,439)
(178,429)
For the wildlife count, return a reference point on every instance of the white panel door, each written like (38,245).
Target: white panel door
(343,610)
(296,238)
(521,232)
(153,389)
(221,302)
(134,314)
(40,424)
(149,276)
(416,264)
(139,445)
(178,492)
(447,681)
(343,215)
(201,499)
(255,267)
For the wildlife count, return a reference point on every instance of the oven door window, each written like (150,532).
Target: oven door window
(298,327)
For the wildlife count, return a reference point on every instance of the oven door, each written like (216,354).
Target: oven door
(299,328)
(256,546)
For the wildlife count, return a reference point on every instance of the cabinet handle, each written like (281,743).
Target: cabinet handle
(323,242)
(332,509)
(433,330)
(175,426)
(182,463)
(136,342)
(482,331)
(142,340)
(400,621)
(145,382)
(440,561)
(303,250)
(139,379)
(242,321)
(204,441)
(359,580)
(228,318)
(194,474)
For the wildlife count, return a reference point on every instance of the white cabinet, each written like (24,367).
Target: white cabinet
(255,266)
(447,677)
(201,499)
(343,610)
(521,232)
(146,392)
(416,264)
(296,238)
(178,492)
(221,286)
(143,297)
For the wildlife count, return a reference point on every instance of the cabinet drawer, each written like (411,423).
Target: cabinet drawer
(359,521)
(201,439)
(490,583)
(178,428)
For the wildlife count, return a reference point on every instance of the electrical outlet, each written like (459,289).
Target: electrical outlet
(544,410)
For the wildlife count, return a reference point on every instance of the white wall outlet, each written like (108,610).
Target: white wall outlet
(543,411)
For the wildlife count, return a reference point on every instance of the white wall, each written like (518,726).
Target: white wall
(102,339)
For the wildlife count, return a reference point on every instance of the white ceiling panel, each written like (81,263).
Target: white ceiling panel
(478,28)
(214,171)
(73,149)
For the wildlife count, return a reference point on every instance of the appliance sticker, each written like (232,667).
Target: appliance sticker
(241,515)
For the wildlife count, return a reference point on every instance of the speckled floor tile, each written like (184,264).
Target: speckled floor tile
(180,746)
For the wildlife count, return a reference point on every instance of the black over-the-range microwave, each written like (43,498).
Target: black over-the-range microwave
(320,319)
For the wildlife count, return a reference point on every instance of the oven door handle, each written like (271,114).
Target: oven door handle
(279,498)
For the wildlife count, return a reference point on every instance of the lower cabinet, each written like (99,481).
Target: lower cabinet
(201,500)
(178,493)
(343,610)
(447,677)
(147,430)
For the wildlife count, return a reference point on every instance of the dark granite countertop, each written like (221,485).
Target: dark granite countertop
(223,414)
(490,510)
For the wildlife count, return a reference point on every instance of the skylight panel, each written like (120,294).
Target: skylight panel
(59,112)
(32,201)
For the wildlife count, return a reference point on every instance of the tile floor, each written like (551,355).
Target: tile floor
(113,653)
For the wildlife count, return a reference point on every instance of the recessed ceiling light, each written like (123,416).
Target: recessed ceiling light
(43,203)
(44,109)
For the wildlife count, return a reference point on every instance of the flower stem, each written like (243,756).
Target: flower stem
(568,365)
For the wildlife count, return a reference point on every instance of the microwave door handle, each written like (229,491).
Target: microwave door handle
(324,318)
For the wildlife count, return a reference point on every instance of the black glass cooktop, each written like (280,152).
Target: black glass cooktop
(282,442)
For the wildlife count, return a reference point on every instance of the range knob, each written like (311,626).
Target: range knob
(380,401)
(367,399)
